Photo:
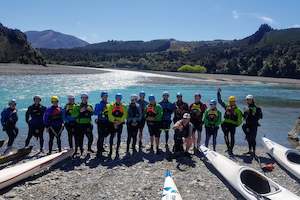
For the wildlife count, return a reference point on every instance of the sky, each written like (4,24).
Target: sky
(192,20)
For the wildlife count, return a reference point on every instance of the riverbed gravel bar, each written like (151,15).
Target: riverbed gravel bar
(138,176)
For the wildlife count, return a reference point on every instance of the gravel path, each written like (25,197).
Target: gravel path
(137,177)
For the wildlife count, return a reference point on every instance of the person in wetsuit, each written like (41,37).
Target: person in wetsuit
(181,108)
(252,115)
(70,119)
(34,118)
(9,118)
(53,120)
(143,104)
(233,118)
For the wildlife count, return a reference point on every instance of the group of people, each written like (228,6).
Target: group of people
(188,120)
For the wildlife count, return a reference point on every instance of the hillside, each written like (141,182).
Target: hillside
(15,48)
(53,40)
(267,52)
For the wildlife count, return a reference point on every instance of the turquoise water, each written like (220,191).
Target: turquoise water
(281,104)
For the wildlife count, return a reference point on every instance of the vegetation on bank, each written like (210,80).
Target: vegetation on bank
(193,69)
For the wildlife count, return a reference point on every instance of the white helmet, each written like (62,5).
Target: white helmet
(249,96)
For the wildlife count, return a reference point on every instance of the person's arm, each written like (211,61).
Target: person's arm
(219,119)
(204,119)
(140,114)
(220,101)
(27,114)
(3,118)
(239,117)
(159,112)
(259,113)
(45,118)
(177,125)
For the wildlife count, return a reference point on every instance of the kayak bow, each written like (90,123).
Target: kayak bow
(170,191)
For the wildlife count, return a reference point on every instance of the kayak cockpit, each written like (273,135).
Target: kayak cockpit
(255,182)
(293,156)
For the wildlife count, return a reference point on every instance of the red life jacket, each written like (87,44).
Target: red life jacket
(150,112)
(118,110)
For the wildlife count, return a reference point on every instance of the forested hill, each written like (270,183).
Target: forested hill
(15,48)
(267,52)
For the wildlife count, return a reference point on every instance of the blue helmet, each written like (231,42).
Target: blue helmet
(213,102)
(104,94)
(142,93)
(151,97)
(119,95)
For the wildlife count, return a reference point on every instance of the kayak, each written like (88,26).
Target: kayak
(250,183)
(2,142)
(15,155)
(11,175)
(287,158)
(170,191)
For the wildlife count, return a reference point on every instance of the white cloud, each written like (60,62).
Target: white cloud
(235,14)
(266,19)
(295,26)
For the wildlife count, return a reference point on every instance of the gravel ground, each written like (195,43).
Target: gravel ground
(139,176)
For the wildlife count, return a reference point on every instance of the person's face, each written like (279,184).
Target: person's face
(179,98)
(54,103)
(152,101)
(118,99)
(232,103)
(37,101)
(213,106)
(84,99)
(104,98)
(165,96)
(185,121)
(197,98)
(142,96)
(71,100)
(249,101)
(133,101)
(12,105)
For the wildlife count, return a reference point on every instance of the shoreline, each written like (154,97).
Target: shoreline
(138,177)
(164,77)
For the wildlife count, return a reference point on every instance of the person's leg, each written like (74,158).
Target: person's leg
(199,132)
(232,138)
(129,135)
(119,134)
(81,137)
(58,138)
(29,136)
(215,134)
(207,137)
(253,138)
(77,138)
(41,138)
(226,133)
(100,141)
(111,142)
(157,138)
(134,138)
(10,134)
(151,133)
(248,137)
(90,136)
(51,138)
(194,139)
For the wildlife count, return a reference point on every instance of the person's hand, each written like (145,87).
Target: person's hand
(82,109)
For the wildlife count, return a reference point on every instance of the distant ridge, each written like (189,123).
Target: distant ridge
(53,40)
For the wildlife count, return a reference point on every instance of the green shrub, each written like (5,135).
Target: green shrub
(194,69)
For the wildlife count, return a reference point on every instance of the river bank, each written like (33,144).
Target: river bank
(161,78)
(138,177)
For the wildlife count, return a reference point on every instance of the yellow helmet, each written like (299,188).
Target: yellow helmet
(54,98)
(231,98)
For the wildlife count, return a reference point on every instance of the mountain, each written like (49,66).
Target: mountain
(129,46)
(15,48)
(53,40)
(267,52)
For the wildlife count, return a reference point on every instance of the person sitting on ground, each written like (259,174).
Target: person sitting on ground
(34,118)
(183,129)
(53,120)
(9,118)
(233,118)
(252,115)
(153,114)
(212,119)
(133,120)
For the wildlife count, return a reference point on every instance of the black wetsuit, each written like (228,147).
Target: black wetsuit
(34,118)
(252,117)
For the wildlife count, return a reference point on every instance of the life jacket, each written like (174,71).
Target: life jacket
(230,113)
(69,108)
(150,112)
(197,110)
(86,113)
(118,110)
(133,110)
(212,115)
(56,114)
